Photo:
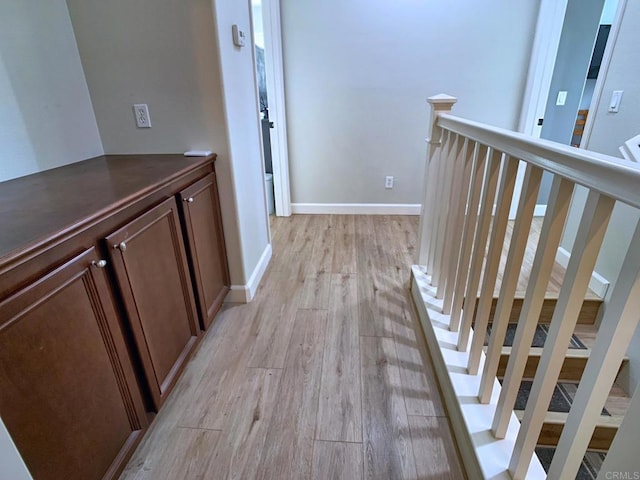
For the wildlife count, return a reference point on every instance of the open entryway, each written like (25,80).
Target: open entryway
(267,43)
(571,51)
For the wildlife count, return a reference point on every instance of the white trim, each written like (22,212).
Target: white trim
(540,210)
(630,149)
(245,293)
(543,59)
(274,70)
(602,75)
(598,283)
(357,208)
(483,455)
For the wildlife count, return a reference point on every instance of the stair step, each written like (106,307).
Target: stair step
(540,336)
(589,468)
(572,368)
(574,363)
(588,312)
(554,422)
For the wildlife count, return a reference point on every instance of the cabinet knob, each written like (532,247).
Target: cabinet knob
(189,200)
(121,246)
(99,263)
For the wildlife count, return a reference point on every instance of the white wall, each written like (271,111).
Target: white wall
(358,74)
(165,53)
(46,117)
(610,130)
(243,128)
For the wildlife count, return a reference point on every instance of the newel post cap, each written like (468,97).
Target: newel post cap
(442,101)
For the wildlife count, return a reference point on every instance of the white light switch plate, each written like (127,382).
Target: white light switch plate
(616,97)
(562,98)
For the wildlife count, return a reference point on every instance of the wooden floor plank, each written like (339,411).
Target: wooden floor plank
(344,234)
(315,291)
(321,259)
(376,304)
(276,318)
(288,448)
(419,384)
(337,461)
(434,448)
(187,456)
(339,415)
(386,438)
(245,429)
(203,405)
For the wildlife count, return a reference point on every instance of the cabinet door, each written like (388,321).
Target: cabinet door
(68,393)
(150,264)
(203,225)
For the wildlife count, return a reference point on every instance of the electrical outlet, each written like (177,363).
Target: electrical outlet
(388,181)
(141,111)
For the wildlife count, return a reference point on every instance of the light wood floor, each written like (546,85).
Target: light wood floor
(557,273)
(324,375)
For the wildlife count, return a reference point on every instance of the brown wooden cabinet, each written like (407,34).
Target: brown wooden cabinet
(205,240)
(68,393)
(88,350)
(152,272)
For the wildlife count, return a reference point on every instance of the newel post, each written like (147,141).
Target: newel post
(439,104)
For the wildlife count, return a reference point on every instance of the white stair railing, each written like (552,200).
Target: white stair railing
(470,179)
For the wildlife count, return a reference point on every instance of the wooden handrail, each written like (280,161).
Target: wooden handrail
(614,177)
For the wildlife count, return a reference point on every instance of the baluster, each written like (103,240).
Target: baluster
(492,264)
(623,453)
(470,223)
(439,104)
(462,196)
(437,204)
(426,228)
(614,335)
(479,245)
(519,239)
(445,189)
(460,178)
(552,226)
(593,225)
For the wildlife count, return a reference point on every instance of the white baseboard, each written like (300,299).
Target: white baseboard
(357,208)
(540,211)
(245,293)
(598,283)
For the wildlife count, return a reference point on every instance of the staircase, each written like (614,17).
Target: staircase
(573,367)
(574,363)
(533,393)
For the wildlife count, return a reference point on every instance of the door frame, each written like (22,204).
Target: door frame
(274,70)
(543,58)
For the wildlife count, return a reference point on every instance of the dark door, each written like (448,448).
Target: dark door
(201,209)
(68,394)
(151,268)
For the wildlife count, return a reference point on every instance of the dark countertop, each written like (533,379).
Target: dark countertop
(54,202)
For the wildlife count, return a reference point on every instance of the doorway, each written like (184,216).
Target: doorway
(267,44)
(571,52)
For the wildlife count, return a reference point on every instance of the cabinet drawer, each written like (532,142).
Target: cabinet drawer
(68,394)
(205,241)
(150,264)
